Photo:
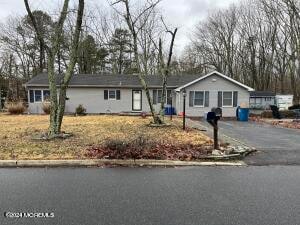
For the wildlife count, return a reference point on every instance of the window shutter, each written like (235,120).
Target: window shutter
(154,97)
(31,96)
(206,103)
(220,96)
(118,94)
(105,94)
(235,98)
(169,97)
(191,99)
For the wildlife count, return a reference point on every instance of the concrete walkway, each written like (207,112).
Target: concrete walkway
(276,146)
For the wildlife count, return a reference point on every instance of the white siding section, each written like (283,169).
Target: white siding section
(93,100)
(213,84)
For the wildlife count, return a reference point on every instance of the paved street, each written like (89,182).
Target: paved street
(157,196)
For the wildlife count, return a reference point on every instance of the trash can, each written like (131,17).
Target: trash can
(170,111)
(243,114)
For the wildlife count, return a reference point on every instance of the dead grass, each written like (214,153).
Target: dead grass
(16,133)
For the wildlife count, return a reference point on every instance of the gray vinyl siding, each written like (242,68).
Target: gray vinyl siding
(213,87)
(93,100)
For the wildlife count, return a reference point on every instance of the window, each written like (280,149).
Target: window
(199,98)
(268,99)
(252,100)
(157,94)
(227,98)
(258,101)
(37,95)
(46,95)
(112,94)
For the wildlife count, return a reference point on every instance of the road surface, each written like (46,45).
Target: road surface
(153,196)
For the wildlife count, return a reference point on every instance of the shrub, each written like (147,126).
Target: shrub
(287,114)
(283,114)
(143,115)
(80,110)
(133,149)
(294,107)
(15,107)
(46,106)
(267,114)
(117,145)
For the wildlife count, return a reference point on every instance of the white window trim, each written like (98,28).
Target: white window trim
(199,106)
(112,99)
(227,106)
(42,95)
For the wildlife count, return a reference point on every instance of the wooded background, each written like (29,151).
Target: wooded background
(256,42)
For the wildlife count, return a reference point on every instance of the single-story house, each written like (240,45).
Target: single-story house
(261,99)
(123,93)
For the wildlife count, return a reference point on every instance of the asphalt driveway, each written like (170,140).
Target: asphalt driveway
(277,146)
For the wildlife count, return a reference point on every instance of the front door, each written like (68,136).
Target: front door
(136,100)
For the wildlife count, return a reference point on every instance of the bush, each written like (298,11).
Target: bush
(133,149)
(287,114)
(117,145)
(46,107)
(15,107)
(80,110)
(267,114)
(283,114)
(294,107)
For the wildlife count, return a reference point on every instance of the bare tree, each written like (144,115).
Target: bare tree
(58,98)
(135,28)
(165,67)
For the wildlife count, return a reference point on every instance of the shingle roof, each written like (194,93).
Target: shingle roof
(108,80)
(219,74)
(262,94)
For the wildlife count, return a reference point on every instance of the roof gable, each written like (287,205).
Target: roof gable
(215,73)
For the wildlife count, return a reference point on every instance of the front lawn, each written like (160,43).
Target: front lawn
(90,134)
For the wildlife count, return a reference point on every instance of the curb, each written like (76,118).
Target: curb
(107,162)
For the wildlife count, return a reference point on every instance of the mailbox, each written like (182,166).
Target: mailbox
(212,118)
(218,111)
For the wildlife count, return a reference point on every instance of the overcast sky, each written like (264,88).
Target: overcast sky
(183,14)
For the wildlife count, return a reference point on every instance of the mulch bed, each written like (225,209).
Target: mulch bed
(161,151)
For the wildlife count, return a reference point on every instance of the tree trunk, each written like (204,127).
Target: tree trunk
(53,129)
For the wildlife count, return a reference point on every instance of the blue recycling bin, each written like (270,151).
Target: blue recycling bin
(170,111)
(243,114)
